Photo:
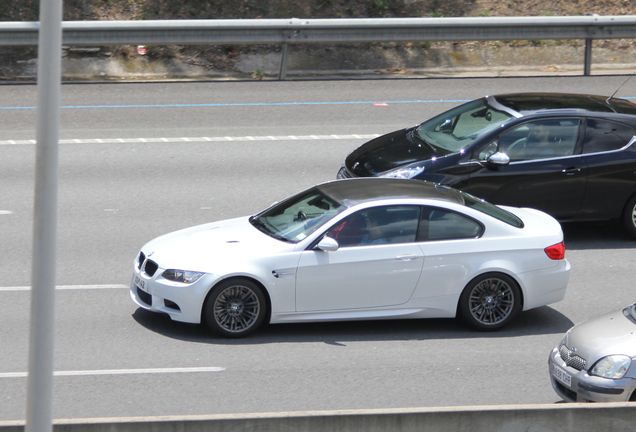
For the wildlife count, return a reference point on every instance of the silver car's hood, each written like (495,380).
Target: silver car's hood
(608,334)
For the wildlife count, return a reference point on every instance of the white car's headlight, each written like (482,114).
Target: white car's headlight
(613,366)
(183,276)
(404,172)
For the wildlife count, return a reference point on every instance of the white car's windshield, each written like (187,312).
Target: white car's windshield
(297,217)
(459,127)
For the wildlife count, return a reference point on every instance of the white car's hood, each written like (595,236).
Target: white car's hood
(204,247)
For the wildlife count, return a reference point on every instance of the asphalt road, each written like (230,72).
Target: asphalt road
(140,160)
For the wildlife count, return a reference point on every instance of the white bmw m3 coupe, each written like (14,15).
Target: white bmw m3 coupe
(357,249)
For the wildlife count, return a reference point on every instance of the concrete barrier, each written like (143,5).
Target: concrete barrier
(609,417)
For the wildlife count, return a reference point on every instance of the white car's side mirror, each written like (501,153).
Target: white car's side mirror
(327,244)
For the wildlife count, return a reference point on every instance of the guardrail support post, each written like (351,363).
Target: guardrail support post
(282,74)
(587,67)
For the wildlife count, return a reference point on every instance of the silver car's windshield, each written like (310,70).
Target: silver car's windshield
(459,127)
(297,217)
(630,312)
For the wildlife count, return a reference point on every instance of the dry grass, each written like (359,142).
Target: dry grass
(27,10)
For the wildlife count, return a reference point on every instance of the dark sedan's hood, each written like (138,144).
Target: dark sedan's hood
(387,152)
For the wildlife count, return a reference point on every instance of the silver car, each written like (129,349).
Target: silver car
(592,363)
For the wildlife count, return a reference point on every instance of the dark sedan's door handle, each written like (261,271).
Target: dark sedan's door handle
(571,171)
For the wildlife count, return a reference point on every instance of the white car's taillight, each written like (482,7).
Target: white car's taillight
(556,251)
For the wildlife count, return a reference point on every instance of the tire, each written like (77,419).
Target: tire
(629,216)
(235,308)
(490,301)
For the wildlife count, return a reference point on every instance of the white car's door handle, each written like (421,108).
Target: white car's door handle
(407,257)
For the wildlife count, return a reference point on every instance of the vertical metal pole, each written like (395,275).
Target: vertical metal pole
(282,74)
(587,68)
(39,410)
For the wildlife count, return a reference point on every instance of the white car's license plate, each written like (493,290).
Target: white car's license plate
(562,375)
(141,284)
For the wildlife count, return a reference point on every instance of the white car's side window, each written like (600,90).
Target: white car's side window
(442,224)
(380,225)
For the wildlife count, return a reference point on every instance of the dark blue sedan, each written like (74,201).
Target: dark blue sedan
(570,155)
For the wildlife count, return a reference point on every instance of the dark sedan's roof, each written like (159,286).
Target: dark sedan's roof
(531,102)
(351,192)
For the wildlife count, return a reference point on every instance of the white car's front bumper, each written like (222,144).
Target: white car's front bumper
(182,302)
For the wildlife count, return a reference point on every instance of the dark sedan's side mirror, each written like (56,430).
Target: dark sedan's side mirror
(499,158)
(327,244)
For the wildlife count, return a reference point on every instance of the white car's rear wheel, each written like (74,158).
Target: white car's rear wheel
(235,308)
(490,301)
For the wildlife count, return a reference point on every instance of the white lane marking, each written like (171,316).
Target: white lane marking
(198,139)
(120,372)
(68,287)
(5,212)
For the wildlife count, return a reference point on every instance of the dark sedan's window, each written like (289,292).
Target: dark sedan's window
(540,139)
(379,225)
(603,136)
(442,224)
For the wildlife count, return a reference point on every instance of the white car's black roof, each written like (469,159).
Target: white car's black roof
(351,192)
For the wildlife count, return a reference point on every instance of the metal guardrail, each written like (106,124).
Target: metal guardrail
(337,30)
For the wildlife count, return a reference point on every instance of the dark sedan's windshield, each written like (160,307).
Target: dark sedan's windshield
(459,127)
(297,217)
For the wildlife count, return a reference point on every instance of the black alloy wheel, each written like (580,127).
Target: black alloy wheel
(235,308)
(490,301)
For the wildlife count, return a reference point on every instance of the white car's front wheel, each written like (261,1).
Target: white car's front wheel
(235,308)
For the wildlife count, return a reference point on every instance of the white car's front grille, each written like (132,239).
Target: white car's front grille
(150,267)
(147,266)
